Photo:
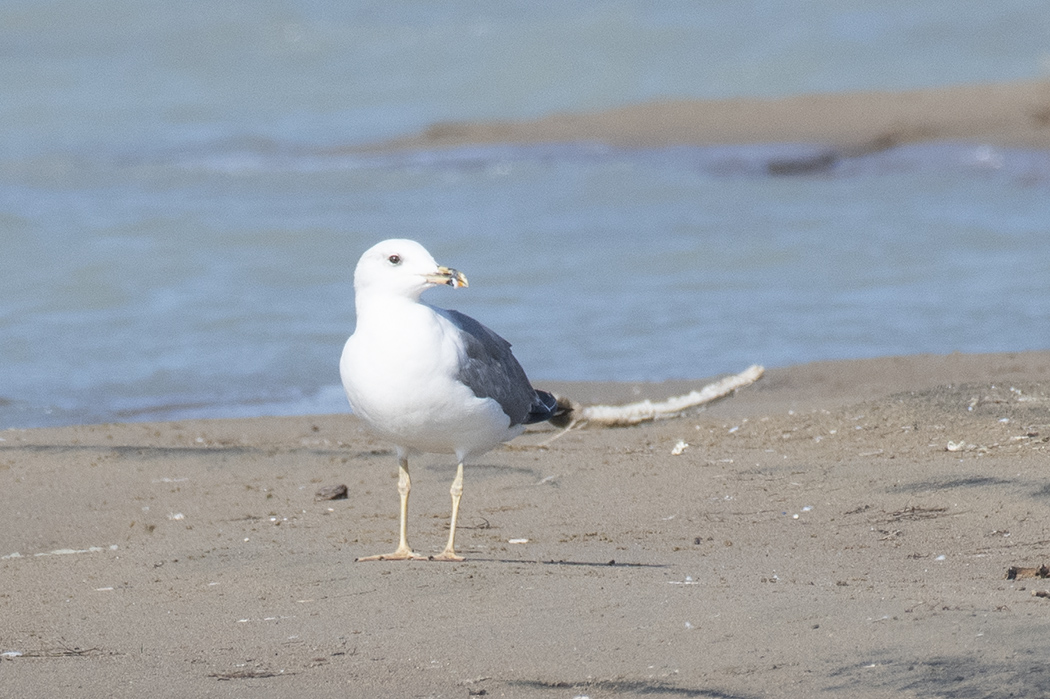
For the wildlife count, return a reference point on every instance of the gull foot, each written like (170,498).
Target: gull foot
(404,554)
(447,555)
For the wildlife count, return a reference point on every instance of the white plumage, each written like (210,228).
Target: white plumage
(427,379)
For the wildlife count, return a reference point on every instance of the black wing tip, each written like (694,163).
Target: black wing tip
(547,407)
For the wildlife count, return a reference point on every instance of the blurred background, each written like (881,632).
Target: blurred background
(181,206)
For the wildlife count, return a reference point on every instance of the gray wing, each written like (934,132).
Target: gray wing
(491,371)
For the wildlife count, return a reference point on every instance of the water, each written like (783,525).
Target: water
(178,241)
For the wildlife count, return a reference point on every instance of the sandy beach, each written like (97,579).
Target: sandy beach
(839,528)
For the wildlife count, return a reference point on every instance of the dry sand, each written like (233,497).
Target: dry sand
(840,528)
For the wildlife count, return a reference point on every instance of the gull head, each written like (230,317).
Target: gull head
(403,268)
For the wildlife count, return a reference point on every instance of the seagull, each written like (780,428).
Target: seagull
(430,380)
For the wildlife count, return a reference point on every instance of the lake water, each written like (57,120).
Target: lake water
(176,239)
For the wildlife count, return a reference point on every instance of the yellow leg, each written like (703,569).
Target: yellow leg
(449,554)
(403,552)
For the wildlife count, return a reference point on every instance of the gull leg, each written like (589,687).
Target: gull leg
(449,554)
(403,552)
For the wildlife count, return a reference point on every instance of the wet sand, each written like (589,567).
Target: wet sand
(840,528)
(1007,114)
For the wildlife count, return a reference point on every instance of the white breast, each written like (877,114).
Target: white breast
(399,370)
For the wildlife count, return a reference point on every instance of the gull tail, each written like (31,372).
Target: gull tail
(547,407)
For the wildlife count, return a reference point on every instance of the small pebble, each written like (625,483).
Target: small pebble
(332,492)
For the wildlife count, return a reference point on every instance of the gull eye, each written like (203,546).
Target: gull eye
(394,259)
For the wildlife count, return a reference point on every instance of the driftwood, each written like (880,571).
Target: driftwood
(647,410)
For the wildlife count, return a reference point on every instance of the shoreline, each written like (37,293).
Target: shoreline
(1011,114)
(837,526)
